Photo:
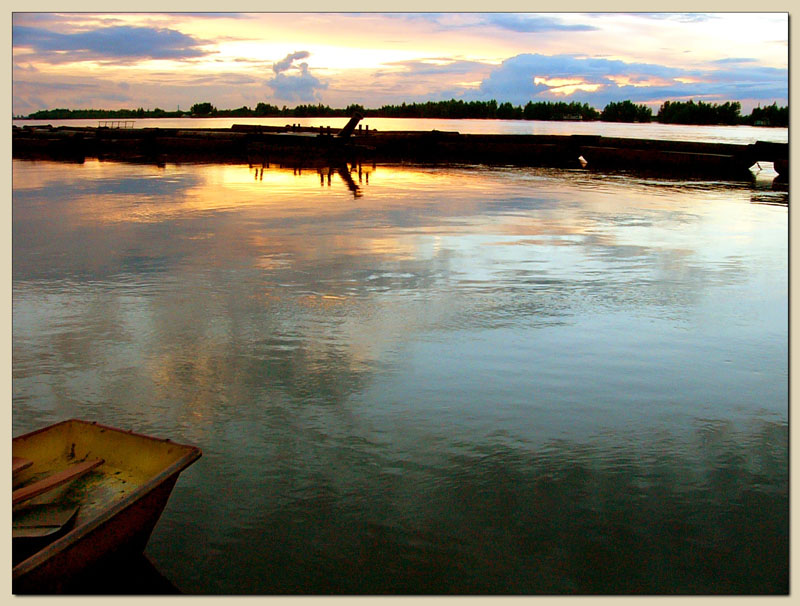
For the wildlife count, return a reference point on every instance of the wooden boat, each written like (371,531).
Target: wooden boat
(85,493)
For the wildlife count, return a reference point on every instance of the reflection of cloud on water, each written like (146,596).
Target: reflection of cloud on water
(409,512)
(349,282)
(426,388)
(433,233)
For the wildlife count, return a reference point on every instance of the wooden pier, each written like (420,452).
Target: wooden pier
(314,146)
(115,124)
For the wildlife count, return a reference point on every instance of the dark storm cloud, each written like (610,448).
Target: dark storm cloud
(110,43)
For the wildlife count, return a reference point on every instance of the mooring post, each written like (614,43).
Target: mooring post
(351,125)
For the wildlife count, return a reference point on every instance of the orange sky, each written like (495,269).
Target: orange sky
(82,60)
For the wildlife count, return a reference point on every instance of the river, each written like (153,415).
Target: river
(452,380)
(670,132)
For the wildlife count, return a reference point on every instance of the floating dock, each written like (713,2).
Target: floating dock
(307,146)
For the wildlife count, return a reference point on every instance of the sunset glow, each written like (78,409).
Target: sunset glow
(170,60)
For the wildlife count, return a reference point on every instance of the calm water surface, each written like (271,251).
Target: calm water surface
(454,380)
(744,135)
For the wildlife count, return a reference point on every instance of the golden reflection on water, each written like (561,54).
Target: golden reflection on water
(563,362)
(398,211)
(277,191)
(349,278)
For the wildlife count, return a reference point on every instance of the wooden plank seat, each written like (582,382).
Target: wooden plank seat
(19,463)
(57,479)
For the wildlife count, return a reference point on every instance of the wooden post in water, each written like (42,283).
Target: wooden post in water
(350,126)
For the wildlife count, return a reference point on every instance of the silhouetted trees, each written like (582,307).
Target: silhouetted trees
(547,110)
(506,111)
(452,109)
(315,111)
(675,112)
(456,109)
(772,115)
(689,112)
(66,114)
(203,109)
(265,109)
(626,111)
(351,109)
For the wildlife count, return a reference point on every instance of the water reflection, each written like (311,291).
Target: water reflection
(739,134)
(344,171)
(706,514)
(459,380)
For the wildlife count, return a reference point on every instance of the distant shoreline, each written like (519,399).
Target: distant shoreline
(655,122)
(626,112)
(324,146)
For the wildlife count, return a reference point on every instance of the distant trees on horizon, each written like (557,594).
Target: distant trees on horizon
(626,111)
(670,112)
(771,115)
(699,113)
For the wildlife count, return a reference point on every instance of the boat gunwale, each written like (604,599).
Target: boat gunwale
(73,536)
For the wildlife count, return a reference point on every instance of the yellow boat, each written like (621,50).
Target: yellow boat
(84,493)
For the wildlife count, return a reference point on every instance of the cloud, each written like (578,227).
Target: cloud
(751,74)
(462,66)
(285,63)
(535,77)
(18,67)
(515,22)
(220,80)
(679,17)
(734,60)
(27,104)
(426,79)
(56,86)
(32,95)
(439,66)
(218,15)
(109,43)
(295,87)
(514,81)
(533,23)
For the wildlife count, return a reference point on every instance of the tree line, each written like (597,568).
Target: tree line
(670,112)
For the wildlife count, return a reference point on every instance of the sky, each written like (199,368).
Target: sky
(174,60)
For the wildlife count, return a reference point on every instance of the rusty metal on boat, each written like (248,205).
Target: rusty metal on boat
(84,493)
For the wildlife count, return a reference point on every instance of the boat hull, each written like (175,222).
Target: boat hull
(117,517)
